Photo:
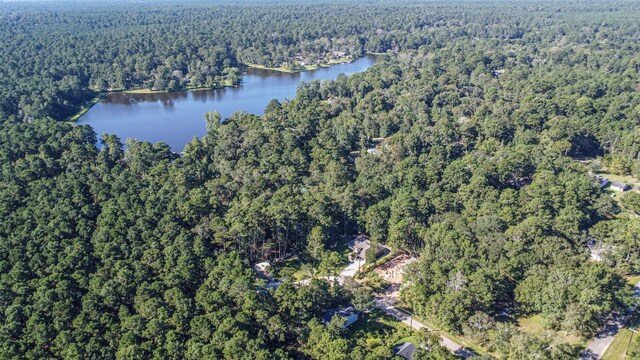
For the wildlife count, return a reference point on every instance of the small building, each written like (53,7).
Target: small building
(373,151)
(405,350)
(598,250)
(602,181)
(339,53)
(262,269)
(179,75)
(348,313)
(619,186)
(361,245)
(393,271)
(498,72)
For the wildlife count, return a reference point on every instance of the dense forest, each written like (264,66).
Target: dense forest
(490,114)
(56,58)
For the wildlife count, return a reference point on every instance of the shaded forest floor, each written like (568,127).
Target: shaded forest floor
(87,105)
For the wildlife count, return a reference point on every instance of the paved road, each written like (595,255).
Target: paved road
(351,269)
(386,304)
(601,342)
(330,279)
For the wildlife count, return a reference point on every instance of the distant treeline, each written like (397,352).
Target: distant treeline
(53,55)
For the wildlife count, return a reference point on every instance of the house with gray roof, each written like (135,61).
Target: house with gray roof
(405,350)
(348,313)
(619,186)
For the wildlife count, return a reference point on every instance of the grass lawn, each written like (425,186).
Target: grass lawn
(462,340)
(312,67)
(412,339)
(604,172)
(280,68)
(340,61)
(227,83)
(622,178)
(632,279)
(86,106)
(615,195)
(618,348)
(534,325)
(382,326)
(145,91)
(301,68)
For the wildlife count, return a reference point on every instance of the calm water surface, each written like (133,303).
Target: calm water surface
(176,118)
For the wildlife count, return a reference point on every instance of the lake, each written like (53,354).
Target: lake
(177,117)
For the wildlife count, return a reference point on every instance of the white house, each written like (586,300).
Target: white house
(263,269)
(619,186)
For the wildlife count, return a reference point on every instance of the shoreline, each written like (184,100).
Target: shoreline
(102,94)
(188,88)
(87,106)
(304,67)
